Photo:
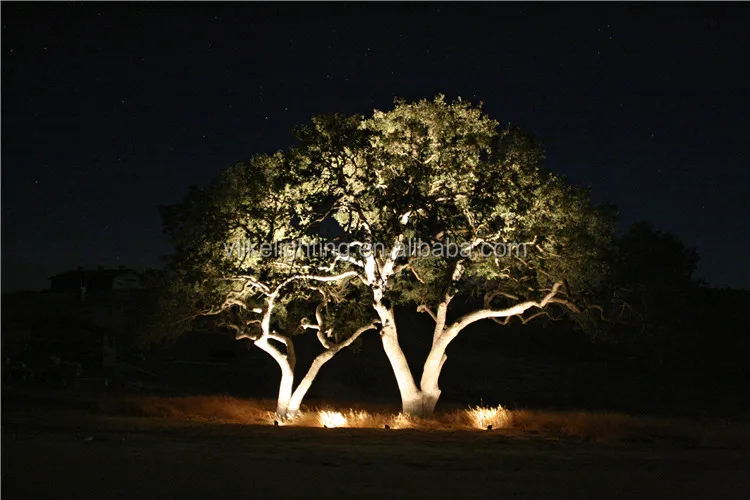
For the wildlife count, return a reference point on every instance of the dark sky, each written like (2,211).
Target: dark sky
(109,110)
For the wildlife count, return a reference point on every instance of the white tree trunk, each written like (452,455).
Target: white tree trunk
(290,399)
(416,401)
(301,391)
(420,401)
(411,398)
(429,386)
(286,383)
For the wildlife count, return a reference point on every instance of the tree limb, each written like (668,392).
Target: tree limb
(423,308)
(515,310)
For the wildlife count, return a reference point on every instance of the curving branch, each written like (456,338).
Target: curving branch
(524,320)
(571,305)
(515,310)
(490,296)
(250,281)
(318,318)
(413,271)
(334,347)
(314,277)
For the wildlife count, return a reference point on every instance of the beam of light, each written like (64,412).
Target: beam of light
(332,419)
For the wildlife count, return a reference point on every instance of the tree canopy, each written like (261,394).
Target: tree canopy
(415,205)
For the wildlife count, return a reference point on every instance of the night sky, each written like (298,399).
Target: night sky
(109,110)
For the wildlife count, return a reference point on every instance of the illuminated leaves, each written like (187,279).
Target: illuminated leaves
(431,170)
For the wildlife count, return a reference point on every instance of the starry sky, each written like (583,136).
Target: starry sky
(109,110)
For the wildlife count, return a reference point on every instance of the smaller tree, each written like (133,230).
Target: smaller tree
(238,259)
(653,271)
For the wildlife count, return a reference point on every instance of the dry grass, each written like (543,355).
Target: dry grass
(356,419)
(213,409)
(608,427)
(482,417)
(603,427)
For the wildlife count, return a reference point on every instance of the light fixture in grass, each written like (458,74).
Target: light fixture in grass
(483,417)
(332,419)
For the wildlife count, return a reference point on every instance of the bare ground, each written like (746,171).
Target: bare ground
(72,453)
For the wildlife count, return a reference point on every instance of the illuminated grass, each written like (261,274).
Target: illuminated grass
(595,426)
(403,421)
(332,419)
(483,417)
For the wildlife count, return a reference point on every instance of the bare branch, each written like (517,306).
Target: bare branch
(515,310)
(346,258)
(490,296)
(524,320)
(335,347)
(250,281)
(569,304)
(414,272)
(423,308)
(314,277)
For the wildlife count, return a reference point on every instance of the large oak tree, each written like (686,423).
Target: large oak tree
(439,173)
(430,174)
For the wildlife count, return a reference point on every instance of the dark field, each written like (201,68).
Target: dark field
(53,452)
(675,431)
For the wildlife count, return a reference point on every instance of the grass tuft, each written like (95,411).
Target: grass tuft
(482,417)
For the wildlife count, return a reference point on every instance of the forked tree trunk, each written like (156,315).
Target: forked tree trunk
(411,397)
(421,401)
(417,401)
(290,398)
(286,384)
(295,403)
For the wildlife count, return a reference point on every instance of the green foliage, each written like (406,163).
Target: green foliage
(234,247)
(212,229)
(444,172)
(432,171)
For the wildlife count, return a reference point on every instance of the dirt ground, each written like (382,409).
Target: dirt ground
(76,454)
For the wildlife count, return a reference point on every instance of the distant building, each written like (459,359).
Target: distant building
(85,281)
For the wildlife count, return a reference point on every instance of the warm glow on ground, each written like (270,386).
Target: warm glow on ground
(482,417)
(332,419)
(596,426)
